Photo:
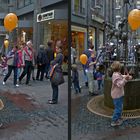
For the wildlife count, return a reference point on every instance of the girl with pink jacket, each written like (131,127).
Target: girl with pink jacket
(117,92)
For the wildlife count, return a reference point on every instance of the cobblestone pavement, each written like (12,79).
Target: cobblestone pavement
(27,116)
(88,126)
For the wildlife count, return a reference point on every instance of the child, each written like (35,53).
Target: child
(75,79)
(99,77)
(117,92)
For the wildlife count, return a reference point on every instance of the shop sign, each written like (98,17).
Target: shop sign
(45,16)
(98,19)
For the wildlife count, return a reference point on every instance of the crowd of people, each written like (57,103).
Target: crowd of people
(93,71)
(23,58)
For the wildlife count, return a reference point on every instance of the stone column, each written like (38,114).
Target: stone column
(36,26)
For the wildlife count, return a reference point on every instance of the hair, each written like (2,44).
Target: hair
(59,44)
(116,66)
(74,67)
(49,43)
(91,46)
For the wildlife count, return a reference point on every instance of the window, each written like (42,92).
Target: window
(118,3)
(20,3)
(32,1)
(3,6)
(92,3)
(99,5)
(23,3)
(79,7)
(27,2)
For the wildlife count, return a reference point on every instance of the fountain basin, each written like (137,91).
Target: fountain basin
(131,98)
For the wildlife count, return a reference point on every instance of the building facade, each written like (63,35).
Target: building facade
(87,24)
(52,25)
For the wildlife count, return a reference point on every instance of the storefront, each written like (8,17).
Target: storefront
(101,38)
(54,27)
(79,39)
(56,30)
(92,35)
(22,34)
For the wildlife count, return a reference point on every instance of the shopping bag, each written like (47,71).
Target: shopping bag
(57,77)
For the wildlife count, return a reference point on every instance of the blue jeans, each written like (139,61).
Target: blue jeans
(118,108)
(55,92)
(76,86)
(85,75)
(27,71)
(10,68)
(100,84)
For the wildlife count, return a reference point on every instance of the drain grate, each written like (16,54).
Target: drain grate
(96,106)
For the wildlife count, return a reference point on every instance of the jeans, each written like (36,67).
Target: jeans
(10,68)
(85,74)
(118,108)
(40,70)
(91,82)
(47,66)
(27,70)
(55,92)
(100,84)
(76,86)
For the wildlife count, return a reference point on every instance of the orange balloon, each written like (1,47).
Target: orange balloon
(10,21)
(6,43)
(134,19)
(83,59)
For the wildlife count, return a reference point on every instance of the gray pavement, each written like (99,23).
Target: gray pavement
(89,126)
(27,116)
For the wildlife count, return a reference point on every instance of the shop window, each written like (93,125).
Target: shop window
(56,31)
(78,40)
(101,34)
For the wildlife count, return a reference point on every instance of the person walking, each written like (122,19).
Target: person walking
(27,57)
(20,61)
(58,60)
(117,92)
(88,53)
(12,62)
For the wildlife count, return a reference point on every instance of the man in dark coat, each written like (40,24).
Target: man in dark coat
(50,56)
(42,60)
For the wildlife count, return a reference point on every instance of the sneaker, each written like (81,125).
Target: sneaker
(28,84)
(3,83)
(116,123)
(17,85)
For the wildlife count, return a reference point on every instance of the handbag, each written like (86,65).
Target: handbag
(57,77)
